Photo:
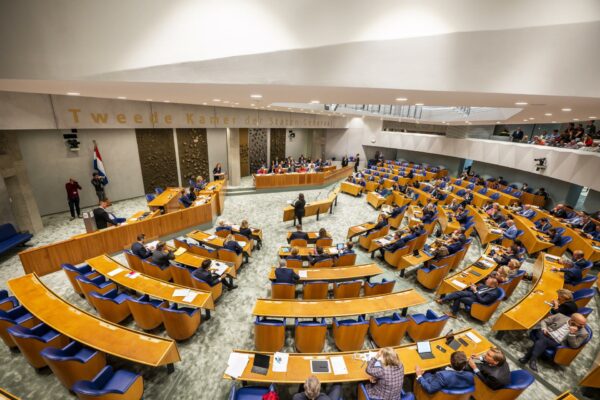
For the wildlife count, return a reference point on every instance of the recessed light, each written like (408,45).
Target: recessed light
(525,120)
(167,101)
(401,99)
(289,108)
(553,122)
(565,109)
(237,104)
(256,96)
(575,119)
(268,106)
(521,103)
(592,117)
(419,104)
(148,99)
(225,101)
(216,100)
(252,105)
(314,102)
(204,104)
(497,122)
(531,119)
(548,114)
(122,98)
(73,93)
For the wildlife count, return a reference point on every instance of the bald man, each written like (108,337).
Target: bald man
(556,330)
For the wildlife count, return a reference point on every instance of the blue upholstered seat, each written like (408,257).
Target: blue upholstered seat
(10,238)
(249,392)
(158,190)
(150,197)
(145,299)
(113,296)
(7,302)
(495,196)
(403,395)
(80,270)
(520,380)
(429,316)
(99,281)
(108,381)
(74,351)
(16,315)
(40,332)
(583,296)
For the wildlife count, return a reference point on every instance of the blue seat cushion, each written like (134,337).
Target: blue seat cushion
(120,382)
(250,393)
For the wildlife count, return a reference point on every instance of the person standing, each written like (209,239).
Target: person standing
(218,172)
(299,208)
(517,135)
(73,188)
(356,163)
(98,183)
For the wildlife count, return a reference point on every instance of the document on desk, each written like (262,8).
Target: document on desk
(280,362)
(338,365)
(180,292)
(458,284)
(190,296)
(152,245)
(133,274)
(236,364)
(473,337)
(303,274)
(115,271)
(211,237)
(218,268)
(179,251)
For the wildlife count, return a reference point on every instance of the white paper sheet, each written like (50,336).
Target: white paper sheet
(241,243)
(180,292)
(179,251)
(459,284)
(190,296)
(236,364)
(211,237)
(303,274)
(280,362)
(133,274)
(115,271)
(473,337)
(152,245)
(338,365)
(218,268)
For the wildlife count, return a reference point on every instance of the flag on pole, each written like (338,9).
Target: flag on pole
(98,165)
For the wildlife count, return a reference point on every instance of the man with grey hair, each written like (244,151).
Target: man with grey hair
(312,391)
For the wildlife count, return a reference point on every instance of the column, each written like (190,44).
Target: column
(233,156)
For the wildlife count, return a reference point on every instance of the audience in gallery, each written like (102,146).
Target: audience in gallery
(301,165)
(572,137)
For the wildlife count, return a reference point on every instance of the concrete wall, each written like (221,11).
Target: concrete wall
(217,149)
(301,144)
(350,141)
(50,164)
(592,202)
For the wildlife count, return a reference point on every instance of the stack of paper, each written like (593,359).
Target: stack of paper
(179,251)
(152,245)
(458,284)
(181,292)
(115,271)
(236,364)
(280,362)
(235,227)
(473,337)
(339,365)
(190,296)
(303,274)
(218,268)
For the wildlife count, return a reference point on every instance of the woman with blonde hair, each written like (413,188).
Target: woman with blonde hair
(386,375)
(312,391)
(564,304)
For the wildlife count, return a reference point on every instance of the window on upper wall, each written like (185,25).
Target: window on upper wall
(395,126)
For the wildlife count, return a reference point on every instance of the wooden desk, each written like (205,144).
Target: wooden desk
(400,199)
(216,242)
(411,260)
(312,237)
(298,367)
(532,308)
(338,308)
(195,261)
(269,181)
(48,258)
(139,216)
(4,395)
(485,226)
(335,273)
(444,217)
(567,396)
(317,207)
(469,276)
(351,188)
(592,378)
(533,240)
(89,330)
(167,201)
(357,230)
(304,252)
(219,189)
(375,200)
(146,284)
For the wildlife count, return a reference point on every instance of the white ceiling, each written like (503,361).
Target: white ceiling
(484,53)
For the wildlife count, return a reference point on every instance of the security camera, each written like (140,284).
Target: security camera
(71,141)
(540,164)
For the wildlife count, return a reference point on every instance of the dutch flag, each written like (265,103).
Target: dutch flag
(98,165)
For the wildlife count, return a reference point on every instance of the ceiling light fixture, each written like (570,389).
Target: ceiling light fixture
(122,98)
(521,103)
(592,117)
(73,93)
(256,96)
(497,122)
(531,119)
(167,101)
(419,104)
(252,105)
(314,102)
(565,109)
(225,101)
(548,114)
(148,99)
(401,99)
(216,100)
(553,122)
(204,104)
(575,119)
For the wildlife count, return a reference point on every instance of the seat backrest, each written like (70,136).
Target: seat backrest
(283,290)
(315,290)
(377,288)
(323,263)
(343,290)
(324,242)
(293,263)
(180,324)
(181,275)
(298,243)
(7,231)
(145,314)
(134,261)
(346,260)
(349,335)
(269,334)
(309,336)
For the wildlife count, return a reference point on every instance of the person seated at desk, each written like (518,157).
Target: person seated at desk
(542,192)
(263,170)
(323,234)
(319,256)
(461,215)
(200,183)
(564,304)
(491,368)
(382,222)
(298,234)
(428,214)
(485,294)
(245,229)
(501,274)
(543,224)
(386,375)
(575,221)
(572,274)
(384,192)
(203,273)
(459,235)
(103,218)
(502,181)
(285,275)
(559,211)
(223,226)
(162,255)
(218,172)
(595,235)
(453,245)
(587,225)
(392,247)
(139,247)
(555,330)
(527,211)
(510,230)
(579,260)
(503,257)
(454,205)
(185,198)
(455,377)
(525,188)
(514,266)
(231,244)
(397,211)
(312,391)
(554,236)
(346,250)
(467,198)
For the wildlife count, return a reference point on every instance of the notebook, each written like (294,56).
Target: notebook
(319,366)
(261,364)
(424,350)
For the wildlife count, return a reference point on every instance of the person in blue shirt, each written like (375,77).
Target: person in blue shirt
(200,182)
(484,294)
(139,248)
(285,275)
(185,200)
(596,234)
(527,212)
(453,245)
(461,215)
(510,230)
(223,227)
(231,244)
(575,221)
(543,225)
(572,274)
(455,377)
(554,236)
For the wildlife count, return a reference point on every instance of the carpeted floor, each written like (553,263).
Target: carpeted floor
(204,356)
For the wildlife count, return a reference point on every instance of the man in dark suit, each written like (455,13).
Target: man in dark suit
(483,294)
(204,274)
(461,215)
(517,135)
(185,199)
(579,260)
(298,234)
(467,198)
(491,368)
(382,223)
(285,275)
(392,247)
(320,256)
(543,225)
(101,217)
(572,274)
(397,211)
(588,226)
(231,244)
(356,163)
(162,255)
(456,377)
(139,248)
(453,245)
